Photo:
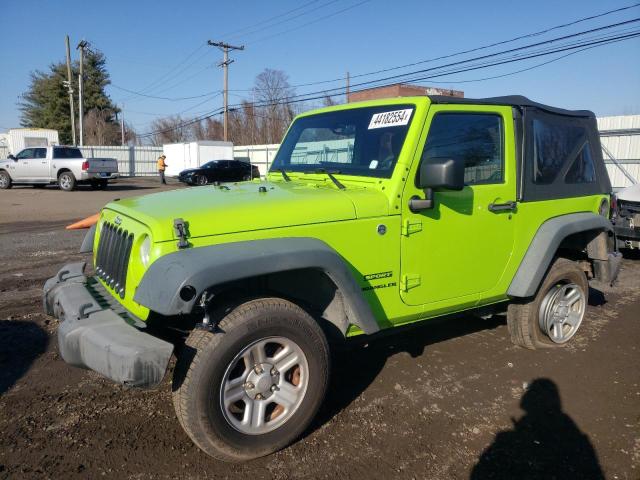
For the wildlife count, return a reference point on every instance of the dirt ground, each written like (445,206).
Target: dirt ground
(450,399)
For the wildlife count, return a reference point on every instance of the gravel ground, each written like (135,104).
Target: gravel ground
(449,399)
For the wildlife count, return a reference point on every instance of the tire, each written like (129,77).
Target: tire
(5,181)
(211,360)
(66,181)
(530,322)
(246,178)
(201,180)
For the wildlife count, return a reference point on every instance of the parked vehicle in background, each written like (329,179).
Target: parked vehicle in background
(626,217)
(219,171)
(375,215)
(17,139)
(65,166)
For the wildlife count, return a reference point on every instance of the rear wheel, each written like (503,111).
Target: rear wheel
(555,314)
(67,181)
(5,180)
(255,386)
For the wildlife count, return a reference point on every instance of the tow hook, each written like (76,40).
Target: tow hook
(180,229)
(207,323)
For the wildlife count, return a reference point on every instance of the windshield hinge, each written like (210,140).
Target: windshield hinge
(409,227)
(180,228)
(409,281)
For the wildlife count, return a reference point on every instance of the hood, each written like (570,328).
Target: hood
(188,170)
(630,194)
(231,208)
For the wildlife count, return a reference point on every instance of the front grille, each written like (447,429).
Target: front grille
(112,260)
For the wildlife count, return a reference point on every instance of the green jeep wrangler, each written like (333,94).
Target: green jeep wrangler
(373,215)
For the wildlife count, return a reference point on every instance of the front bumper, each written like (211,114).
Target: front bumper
(92,335)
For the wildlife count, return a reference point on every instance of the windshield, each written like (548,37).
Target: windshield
(361,141)
(211,164)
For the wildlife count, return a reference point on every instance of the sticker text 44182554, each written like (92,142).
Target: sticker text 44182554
(390,119)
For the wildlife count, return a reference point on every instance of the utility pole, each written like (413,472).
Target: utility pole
(225,47)
(122,123)
(81,46)
(69,86)
(348,86)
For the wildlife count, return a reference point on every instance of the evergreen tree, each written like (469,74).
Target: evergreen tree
(46,103)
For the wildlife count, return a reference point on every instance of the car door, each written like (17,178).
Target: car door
(455,251)
(40,165)
(23,163)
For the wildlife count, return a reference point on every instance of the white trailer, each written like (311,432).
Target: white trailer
(20,138)
(181,156)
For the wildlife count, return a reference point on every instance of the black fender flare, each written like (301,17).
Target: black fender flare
(544,245)
(206,267)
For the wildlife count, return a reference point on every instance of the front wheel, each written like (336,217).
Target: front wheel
(67,181)
(201,180)
(255,386)
(555,314)
(5,181)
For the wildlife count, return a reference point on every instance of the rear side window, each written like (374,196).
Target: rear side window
(554,147)
(475,139)
(67,152)
(39,153)
(562,157)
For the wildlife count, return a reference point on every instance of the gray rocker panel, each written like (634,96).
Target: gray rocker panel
(206,267)
(544,246)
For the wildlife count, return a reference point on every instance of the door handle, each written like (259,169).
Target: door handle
(502,207)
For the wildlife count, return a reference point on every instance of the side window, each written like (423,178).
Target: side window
(40,153)
(555,144)
(26,153)
(475,139)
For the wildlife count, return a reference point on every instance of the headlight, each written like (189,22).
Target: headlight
(145,250)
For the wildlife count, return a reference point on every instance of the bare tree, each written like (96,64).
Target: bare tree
(173,129)
(272,91)
(207,129)
(99,128)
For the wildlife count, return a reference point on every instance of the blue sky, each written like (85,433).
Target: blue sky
(144,41)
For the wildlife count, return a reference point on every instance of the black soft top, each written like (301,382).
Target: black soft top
(510,100)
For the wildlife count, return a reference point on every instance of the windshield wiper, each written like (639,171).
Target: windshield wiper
(330,175)
(286,177)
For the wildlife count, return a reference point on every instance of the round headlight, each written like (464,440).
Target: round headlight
(145,250)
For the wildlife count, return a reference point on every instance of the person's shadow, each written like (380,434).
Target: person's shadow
(543,444)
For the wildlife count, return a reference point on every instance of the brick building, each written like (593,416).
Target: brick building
(400,90)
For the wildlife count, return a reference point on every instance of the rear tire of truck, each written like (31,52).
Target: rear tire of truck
(5,181)
(554,315)
(253,386)
(66,181)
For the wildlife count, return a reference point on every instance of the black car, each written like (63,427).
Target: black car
(219,171)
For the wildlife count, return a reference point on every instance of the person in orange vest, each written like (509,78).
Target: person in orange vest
(162,165)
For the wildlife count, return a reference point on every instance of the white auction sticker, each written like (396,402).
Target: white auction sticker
(390,119)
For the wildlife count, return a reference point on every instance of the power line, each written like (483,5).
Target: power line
(309,23)
(581,47)
(463,52)
(286,19)
(175,99)
(233,32)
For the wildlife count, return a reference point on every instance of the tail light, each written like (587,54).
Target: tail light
(85,165)
(614,203)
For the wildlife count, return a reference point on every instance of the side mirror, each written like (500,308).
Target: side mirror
(443,173)
(11,157)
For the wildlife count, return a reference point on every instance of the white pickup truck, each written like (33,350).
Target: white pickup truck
(41,166)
